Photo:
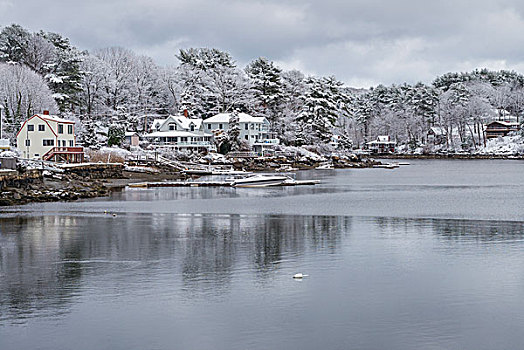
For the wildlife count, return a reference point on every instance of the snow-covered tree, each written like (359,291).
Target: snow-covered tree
(266,85)
(92,96)
(23,93)
(211,82)
(320,110)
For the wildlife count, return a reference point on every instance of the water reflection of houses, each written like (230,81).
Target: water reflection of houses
(45,261)
(31,281)
(454,229)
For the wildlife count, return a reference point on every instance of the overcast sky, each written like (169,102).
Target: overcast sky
(361,42)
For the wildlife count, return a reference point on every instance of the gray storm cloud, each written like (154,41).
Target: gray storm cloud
(360,42)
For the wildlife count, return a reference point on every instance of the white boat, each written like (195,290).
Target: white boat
(260,180)
(286,168)
(325,166)
(386,166)
(229,172)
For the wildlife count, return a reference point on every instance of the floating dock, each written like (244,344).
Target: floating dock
(213,184)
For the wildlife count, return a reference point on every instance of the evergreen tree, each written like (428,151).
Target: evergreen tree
(14,41)
(233,131)
(63,73)
(266,85)
(320,110)
(115,135)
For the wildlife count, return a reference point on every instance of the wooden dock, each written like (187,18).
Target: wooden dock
(212,184)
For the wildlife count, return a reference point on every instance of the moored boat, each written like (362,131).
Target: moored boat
(260,180)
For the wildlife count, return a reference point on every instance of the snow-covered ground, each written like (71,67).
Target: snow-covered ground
(508,145)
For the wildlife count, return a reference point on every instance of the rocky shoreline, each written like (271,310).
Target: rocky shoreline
(99,180)
(448,156)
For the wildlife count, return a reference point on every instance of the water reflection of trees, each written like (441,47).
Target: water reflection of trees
(454,229)
(45,261)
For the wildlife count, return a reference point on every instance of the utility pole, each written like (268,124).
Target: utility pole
(1,125)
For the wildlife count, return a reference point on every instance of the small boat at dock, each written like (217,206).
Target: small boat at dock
(260,180)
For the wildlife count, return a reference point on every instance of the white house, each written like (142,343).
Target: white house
(383,144)
(48,137)
(180,133)
(252,129)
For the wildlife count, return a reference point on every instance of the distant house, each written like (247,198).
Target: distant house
(48,137)
(437,135)
(131,138)
(4,145)
(252,129)
(265,147)
(180,133)
(500,128)
(383,144)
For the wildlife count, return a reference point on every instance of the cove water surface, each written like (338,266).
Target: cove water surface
(428,256)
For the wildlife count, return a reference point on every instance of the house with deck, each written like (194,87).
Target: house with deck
(383,144)
(254,130)
(180,133)
(48,137)
(500,128)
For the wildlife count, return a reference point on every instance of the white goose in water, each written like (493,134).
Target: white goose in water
(299,275)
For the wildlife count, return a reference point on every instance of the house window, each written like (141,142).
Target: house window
(172,127)
(246,126)
(246,137)
(28,142)
(183,139)
(60,128)
(70,129)
(209,126)
(220,126)
(48,142)
(41,127)
(192,127)
(63,143)
(71,143)
(252,126)
(30,127)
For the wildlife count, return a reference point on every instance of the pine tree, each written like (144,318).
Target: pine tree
(320,111)
(233,131)
(266,85)
(63,73)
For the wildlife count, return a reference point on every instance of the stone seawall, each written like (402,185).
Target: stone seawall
(94,170)
(12,178)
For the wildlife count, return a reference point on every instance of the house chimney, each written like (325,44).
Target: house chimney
(186,113)
(46,112)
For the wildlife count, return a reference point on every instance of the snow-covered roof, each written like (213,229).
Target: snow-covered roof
(242,117)
(382,140)
(180,120)
(176,133)
(54,118)
(130,133)
(505,123)
(4,143)
(438,130)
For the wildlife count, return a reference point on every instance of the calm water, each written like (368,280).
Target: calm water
(429,256)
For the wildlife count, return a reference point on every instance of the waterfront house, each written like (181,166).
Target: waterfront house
(180,133)
(383,144)
(131,138)
(500,128)
(49,137)
(252,129)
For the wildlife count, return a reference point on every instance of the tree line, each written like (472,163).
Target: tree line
(44,71)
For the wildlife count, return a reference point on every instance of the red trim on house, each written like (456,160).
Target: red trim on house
(61,121)
(37,116)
